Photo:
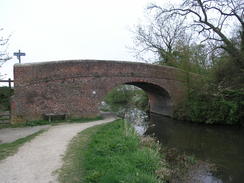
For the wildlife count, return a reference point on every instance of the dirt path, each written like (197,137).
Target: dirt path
(12,134)
(36,161)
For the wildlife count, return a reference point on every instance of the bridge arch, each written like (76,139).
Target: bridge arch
(159,99)
(76,88)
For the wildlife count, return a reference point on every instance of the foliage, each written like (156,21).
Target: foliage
(200,16)
(125,97)
(118,97)
(213,107)
(214,49)
(107,154)
(9,149)
(194,35)
(172,41)
(140,100)
(84,120)
(190,58)
(5,94)
(213,20)
(72,120)
(226,74)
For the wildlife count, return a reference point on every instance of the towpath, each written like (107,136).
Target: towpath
(37,160)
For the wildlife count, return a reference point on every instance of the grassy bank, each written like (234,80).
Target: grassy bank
(9,149)
(112,153)
(45,122)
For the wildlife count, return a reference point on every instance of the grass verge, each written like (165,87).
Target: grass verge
(112,153)
(9,149)
(45,122)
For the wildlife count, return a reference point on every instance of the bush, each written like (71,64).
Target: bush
(219,107)
(5,94)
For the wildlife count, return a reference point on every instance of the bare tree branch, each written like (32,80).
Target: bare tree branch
(160,36)
(201,10)
(3,52)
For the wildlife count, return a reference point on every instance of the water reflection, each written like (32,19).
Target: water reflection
(223,146)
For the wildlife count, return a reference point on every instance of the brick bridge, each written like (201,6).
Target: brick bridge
(76,88)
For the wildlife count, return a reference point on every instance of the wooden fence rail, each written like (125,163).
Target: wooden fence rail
(9,81)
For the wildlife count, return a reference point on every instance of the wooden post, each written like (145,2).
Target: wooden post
(9,83)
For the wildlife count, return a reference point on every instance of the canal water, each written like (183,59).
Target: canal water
(222,146)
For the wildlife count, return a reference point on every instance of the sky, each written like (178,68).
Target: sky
(50,30)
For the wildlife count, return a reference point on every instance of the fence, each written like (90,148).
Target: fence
(5,115)
(9,81)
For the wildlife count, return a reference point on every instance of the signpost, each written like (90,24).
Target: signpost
(18,55)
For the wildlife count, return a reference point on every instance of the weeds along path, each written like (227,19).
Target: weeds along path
(36,161)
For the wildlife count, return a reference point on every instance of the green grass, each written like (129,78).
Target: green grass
(4,118)
(7,125)
(110,153)
(84,120)
(45,122)
(8,149)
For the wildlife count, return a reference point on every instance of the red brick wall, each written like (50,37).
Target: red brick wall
(66,87)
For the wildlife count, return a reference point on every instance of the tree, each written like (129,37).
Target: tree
(192,58)
(160,37)
(213,19)
(171,40)
(219,26)
(3,50)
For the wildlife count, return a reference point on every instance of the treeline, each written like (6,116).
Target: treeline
(187,36)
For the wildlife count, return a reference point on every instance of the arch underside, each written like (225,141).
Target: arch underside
(159,99)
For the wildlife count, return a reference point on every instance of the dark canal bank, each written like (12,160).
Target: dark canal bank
(221,145)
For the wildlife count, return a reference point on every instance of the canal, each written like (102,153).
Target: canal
(221,145)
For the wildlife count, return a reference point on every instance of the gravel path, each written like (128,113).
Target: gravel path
(36,161)
(12,134)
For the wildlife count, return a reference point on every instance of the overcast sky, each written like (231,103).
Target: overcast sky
(48,30)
